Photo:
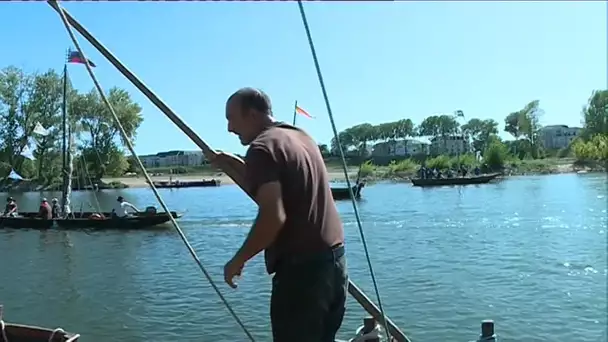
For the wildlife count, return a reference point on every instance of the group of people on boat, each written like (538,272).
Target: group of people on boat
(435,173)
(51,211)
(46,211)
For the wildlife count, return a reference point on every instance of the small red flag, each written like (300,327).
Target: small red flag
(301,111)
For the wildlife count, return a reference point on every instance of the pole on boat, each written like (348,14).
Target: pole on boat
(64,130)
(295,113)
(359,296)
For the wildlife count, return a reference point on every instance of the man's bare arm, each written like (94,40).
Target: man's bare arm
(268,223)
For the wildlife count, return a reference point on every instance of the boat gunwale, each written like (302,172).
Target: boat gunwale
(61,335)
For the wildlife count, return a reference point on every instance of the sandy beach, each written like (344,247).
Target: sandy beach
(140,181)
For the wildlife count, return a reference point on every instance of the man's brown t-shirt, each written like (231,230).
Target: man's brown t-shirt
(287,154)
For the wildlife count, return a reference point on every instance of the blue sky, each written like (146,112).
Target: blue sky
(381,61)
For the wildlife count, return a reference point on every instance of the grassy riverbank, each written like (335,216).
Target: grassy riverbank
(395,171)
(407,168)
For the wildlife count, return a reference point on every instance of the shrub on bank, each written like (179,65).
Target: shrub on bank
(405,166)
(496,155)
(367,169)
(595,149)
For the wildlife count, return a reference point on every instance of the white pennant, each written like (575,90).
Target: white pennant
(38,129)
(14,175)
(27,153)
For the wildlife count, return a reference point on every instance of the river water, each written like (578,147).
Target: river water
(528,252)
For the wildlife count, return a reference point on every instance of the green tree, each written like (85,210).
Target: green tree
(46,100)
(324,150)
(525,124)
(480,132)
(495,156)
(25,100)
(101,148)
(595,114)
(439,126)
(359,136)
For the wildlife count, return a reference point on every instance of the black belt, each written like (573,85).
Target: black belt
(330,255)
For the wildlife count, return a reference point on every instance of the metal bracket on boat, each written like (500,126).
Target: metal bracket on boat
(2,326)
(64,336)
(73,338)
(56,333)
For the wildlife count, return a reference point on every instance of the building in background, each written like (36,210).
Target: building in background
(450,145)
(556,137)
(173,158)
(404,147)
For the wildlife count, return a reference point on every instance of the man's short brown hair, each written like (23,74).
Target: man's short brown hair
(252,98)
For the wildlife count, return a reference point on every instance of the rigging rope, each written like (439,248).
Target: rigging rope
(344,166)
(145,173)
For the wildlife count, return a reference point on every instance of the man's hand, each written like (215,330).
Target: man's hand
(232,269)
(222,158)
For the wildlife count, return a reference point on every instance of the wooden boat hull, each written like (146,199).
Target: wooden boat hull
(25,333)
(344,194)
(84,221)
(455,181)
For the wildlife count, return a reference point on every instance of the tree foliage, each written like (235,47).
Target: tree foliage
(480,132)
(28,99)
(524,125)
(357,137)
(595,114)
(593,144)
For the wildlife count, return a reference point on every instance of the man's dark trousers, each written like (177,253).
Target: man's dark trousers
(308,298)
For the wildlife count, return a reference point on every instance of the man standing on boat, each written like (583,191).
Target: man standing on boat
(55,208)
(121,210)
(45,211)
(297,225)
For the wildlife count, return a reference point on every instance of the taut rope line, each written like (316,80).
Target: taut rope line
(353,289)
(145,173)
(344,167)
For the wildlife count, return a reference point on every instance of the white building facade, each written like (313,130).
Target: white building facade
(173,158)
(450,145)
(558,136)
(405,147)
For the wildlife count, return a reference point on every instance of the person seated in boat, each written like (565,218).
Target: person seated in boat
(422,172)
(96,216)
(463,171)
(10,210)
(45,212)
(121,210)
(477,171)
(55,208)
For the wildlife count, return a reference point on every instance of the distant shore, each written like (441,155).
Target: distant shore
(140,181)
(336,175)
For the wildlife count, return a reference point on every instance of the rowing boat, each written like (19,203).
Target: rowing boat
(89,220)
(187,184)
(344,193)
(454,181)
